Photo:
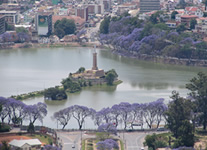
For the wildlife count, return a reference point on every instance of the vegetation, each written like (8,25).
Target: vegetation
(198,88)
(104,27)
(55,93)
(178,117)
(111,75)
(4,146)
(64,27)
(131,36)
(155,141)
(21,29)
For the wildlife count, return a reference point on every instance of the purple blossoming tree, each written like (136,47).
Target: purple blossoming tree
(107,144)
(80,113)
(63,116)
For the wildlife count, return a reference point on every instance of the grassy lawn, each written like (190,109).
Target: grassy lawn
(43,138)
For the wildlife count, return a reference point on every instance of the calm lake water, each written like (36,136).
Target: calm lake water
(27,70)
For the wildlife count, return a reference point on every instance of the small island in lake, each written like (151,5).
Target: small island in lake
(82,78)
(95,76)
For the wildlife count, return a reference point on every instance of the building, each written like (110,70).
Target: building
(201,26)
(171,24)
(194,11)
(79,22)
(149,5)
(43,23)
(95,9)
(82,11)
(185,19)
(33,144)
(107,5)
(11,17)
(2,24)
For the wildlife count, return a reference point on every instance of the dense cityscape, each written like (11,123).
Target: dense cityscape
(152,96)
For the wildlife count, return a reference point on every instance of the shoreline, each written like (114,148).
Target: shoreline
(163,59)
(54,45)
(144,57)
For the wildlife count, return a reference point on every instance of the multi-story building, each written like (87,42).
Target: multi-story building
(11,17)
(185,19)
(82,11)
(201,26)
(95,8)
(149,5)
(43,23)
(2,24)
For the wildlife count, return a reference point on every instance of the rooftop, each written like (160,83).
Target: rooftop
(20,143)
(189,16)
(8,12)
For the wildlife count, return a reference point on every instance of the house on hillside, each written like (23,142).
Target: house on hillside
(194,11)
(201,26)
(31,144)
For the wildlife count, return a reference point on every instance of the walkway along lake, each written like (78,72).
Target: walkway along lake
(27,70)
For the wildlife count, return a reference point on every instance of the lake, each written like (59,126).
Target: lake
(28,70)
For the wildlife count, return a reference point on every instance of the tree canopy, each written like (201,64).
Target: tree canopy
(64,27)
(178,118)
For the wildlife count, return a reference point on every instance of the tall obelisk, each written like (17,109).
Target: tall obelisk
(94,59)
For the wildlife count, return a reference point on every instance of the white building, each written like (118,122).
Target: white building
(194,11)
(31,144)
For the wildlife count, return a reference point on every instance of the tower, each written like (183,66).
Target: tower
(94,61)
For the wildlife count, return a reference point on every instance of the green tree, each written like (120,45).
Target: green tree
(81,70)
(173,14)
(70,85)
(153,18)
(21,29)
(64,27)
(178,120)
(161,26)
(111,75)
(104,27)
(181,28)
(154,141)
(182,4)
(198,88)
(55,93)
(9,27)
(31,128)
(193,22)
(5,146)
(204,14)
(205,3)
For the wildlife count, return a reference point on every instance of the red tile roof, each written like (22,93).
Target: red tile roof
(191,8)
(189,16)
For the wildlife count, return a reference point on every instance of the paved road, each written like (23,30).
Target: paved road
(132,140)
(72,140)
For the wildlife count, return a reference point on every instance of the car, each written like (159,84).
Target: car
(142,148)
(161,129)
(73,146)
